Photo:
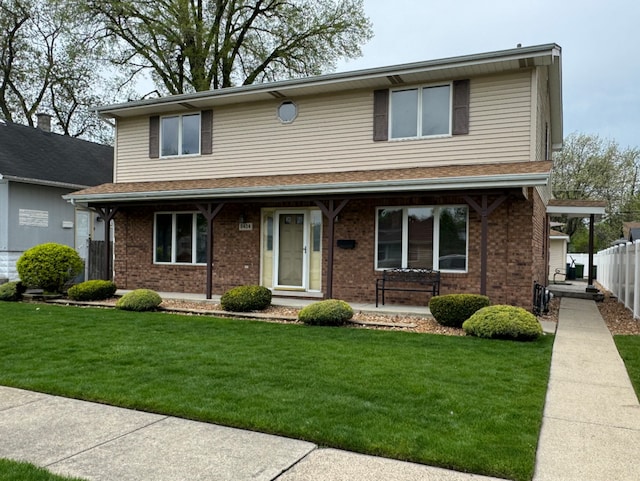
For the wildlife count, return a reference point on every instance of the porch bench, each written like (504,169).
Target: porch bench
(408,280)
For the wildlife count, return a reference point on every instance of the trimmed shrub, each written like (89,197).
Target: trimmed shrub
(246,298)
(139,300)
(453,309)
(503,322)
(49,266)
(331,312)
(95,290)
(11,291)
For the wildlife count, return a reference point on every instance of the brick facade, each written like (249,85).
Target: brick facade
(517,250)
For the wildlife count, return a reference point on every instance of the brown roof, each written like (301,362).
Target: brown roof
(344,180)
(577,203)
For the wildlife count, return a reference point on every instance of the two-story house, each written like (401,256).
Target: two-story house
(313,186)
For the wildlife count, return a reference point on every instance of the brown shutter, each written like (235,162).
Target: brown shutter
(461,107)
(206,132)
(154,137)
(381,115)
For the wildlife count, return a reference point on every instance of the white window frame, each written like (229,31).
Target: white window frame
(180,134)
(174,233)
(419,135)
(436,235)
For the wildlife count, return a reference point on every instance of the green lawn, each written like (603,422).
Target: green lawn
(17,471)
(629,349)
(457,402)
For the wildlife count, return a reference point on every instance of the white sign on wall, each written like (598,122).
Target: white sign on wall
(33,218)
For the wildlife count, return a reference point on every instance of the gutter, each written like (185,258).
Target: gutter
(48,183)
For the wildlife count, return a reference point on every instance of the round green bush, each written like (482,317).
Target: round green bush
(246,298)
(331,312)
(453,309)
(49,266)
(95,290)
(11,291)
(139,300)
(503,322)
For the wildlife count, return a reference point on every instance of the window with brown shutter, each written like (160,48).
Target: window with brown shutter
(422,111)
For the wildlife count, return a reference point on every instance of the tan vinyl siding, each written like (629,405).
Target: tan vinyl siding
(335,133)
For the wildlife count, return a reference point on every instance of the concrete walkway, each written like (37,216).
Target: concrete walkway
(591,425)
(591,431)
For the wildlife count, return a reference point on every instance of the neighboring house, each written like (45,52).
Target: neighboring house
(312,186)
(38,167)
(631,231)
(558,242)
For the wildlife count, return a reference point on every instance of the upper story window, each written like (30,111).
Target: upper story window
(421,112)
(180,135)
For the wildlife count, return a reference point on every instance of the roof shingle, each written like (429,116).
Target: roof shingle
(33,154)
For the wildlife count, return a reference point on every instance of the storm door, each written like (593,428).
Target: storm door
(291,249)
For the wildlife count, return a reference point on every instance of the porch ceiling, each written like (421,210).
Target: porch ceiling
(442,178)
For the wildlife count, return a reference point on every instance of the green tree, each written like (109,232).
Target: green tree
(196,45)
(591,168)
(50,62)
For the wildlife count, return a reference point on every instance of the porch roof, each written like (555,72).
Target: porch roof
(456,177)
(576,208)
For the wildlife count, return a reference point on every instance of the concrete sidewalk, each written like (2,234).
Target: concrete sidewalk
(591,431)
(106,443)
(591,425)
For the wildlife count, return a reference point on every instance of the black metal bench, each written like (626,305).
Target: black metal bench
(408,280)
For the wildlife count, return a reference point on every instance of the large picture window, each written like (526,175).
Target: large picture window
(180,238)
(421,112)
(180,135)
(422,237)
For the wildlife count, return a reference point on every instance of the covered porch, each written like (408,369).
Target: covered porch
(585,209)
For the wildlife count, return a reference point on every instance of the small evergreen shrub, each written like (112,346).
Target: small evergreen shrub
(49,266)
(503,322)
(453,309)
(139,300)
(95,290)
(246,298)
(331,312)
(11,291)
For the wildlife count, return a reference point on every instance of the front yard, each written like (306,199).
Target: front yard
(457,402)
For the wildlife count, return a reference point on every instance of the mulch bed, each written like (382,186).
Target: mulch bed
(618,318)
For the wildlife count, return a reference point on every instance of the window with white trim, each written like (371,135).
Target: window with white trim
(428,237)
(180,238)
(180,135)
(420,112)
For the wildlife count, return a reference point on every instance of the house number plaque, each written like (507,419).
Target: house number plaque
(246,226)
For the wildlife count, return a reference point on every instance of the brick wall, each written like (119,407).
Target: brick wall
(516,251)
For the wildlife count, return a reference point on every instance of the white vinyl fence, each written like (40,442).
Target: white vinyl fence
(619,272)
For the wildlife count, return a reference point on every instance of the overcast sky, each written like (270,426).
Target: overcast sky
(600,43)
